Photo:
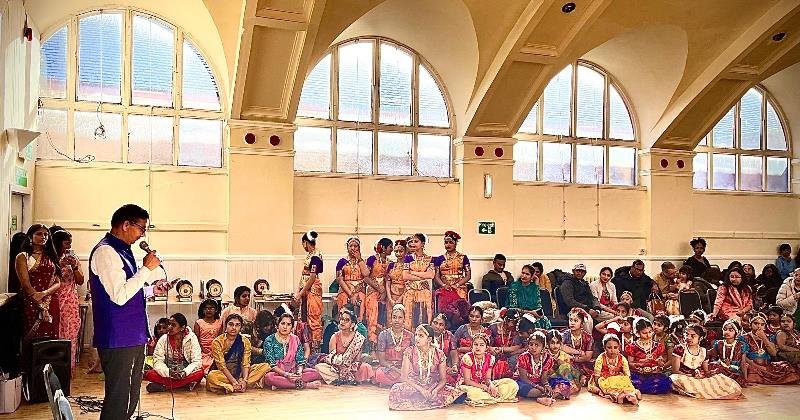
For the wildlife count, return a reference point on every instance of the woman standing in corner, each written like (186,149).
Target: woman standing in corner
(71,276)
(309,295)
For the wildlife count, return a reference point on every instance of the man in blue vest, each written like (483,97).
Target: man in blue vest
(119,311)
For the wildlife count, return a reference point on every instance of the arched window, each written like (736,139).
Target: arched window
(125,86)
(372,106)
(747,150)
(578,131)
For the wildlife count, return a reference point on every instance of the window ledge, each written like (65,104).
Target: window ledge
(47,163)
(747,193)
(402,178)
(575,185)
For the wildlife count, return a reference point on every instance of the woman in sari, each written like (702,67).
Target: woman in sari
(423,377)
(71,276)
(394,283)
(788,341)
(39,272)
(231,370)
(693,377)
(524,295)
(375,298)
(309,294)
(734,297)
(284,353)
(350,274)
(647,360)
(759,351)
(207,327)
(477,377)
(342,365)
(506,343)
(462,339)
(453,272)
(392,342)
(418,272)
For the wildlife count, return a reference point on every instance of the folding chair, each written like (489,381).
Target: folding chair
(478,295)
(59,405)
(501,297)
(547,308)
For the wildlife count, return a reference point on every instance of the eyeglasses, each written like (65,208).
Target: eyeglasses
(142,228)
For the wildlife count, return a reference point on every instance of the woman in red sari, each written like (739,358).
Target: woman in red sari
(71,276)
(453,272)
(39,274)
(392,342)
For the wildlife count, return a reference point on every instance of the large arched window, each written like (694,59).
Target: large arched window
(747,150)
(578,131)
(372,106)
(125,86)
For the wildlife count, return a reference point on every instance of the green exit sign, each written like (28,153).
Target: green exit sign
(486,228)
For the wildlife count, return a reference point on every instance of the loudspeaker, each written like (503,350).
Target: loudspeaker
(55,352)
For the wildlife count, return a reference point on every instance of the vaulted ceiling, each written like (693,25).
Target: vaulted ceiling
(681,63)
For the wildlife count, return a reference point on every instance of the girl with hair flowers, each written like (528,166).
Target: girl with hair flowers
(309,295)
(350,274)
(375,301)
(578,343)
(612,376)
(727,355)
(564,371)
(507,343)
(759,352)
(395,285)
(693,377)
(647,360)
(418,273)
(453,272)
(534,367)
(477,377)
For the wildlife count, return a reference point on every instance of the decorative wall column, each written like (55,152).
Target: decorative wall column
(478,162)
(261,208)
(667,174)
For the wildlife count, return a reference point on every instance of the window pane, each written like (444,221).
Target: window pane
(395,91)
(704,140)
(530,125)
(751,173)
(315,99)
(556,162)
(355,81)
(98,135)
(777,174)
(620,124)
(589,161)
(526,160)
(724,176)
(751,120)
(557,96)
(53,66)
(591,87)
(700,166)
(622,166)
(312,149)
(199,86)
(394,153)
(150,139)
(354,151)
(776,138)
(723,131)
(200,143)
(100,58)
(433,155)
(53,126)
(153,64)
(432,109)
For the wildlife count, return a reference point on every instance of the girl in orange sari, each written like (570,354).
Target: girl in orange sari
(377,265)
(309,294)
(394,283)
(350,274)
(418,272)
(452,272)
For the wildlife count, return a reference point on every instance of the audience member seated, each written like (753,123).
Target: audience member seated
(177,360)
(578,344)
(734,298)
(784,262)
(534,368)
(698,262)
(497,277)
(788,341)
(633,279)
(207,327)
(283,351)
(392,342)
(663,280)
(545,283)
(462,339)
(264,326)
(604,290)
(767,284)
(626,298)
(648,360)
(343,365)
(788,296)
(760,353)
(161,328)
(240,305)
(231,370)
(524,295)
(612,374)
(423,377)
(576,293)
(693,377)
(682,283)
(477,376)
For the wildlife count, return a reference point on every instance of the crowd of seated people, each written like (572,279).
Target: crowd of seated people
(413,326)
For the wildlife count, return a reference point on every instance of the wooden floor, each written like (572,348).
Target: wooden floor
(368,402)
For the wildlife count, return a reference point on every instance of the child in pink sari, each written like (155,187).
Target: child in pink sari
(207,327)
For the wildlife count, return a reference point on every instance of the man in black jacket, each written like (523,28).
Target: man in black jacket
(575,292)
(634,280)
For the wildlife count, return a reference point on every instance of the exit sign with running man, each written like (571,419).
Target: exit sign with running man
(486,228)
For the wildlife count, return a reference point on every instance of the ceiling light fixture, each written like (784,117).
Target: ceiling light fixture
(568,8)
(780,36)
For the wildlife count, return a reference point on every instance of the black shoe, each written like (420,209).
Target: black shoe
(354,383)
(337,382)
(154,387)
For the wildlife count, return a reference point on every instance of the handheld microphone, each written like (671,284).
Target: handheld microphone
(145,246)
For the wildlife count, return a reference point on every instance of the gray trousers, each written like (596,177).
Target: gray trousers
(123,371)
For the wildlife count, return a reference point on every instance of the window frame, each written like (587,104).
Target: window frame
(71,104)
(374,125)
(705,145)
(540,138)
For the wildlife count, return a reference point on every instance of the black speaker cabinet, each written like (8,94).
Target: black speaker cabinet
(58,354)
